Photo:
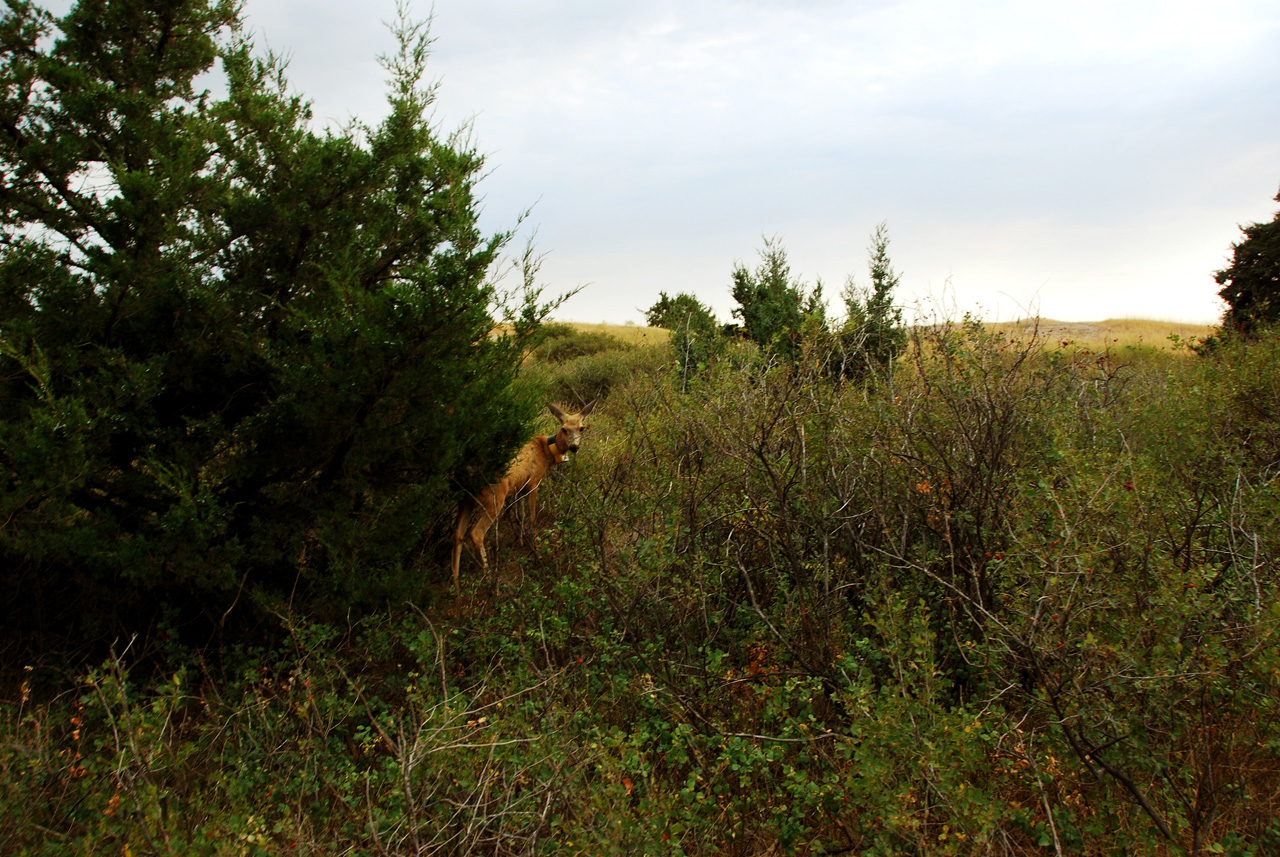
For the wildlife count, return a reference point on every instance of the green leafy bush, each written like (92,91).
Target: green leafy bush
(593,377)
(696,337)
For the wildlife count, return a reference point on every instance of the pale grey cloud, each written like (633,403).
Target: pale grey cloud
(1090,159)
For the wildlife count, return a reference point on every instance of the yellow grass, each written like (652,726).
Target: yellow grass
(629,333)
(1111,333)
(1092,335)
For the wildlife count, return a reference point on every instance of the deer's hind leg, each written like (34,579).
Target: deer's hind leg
(489,506)
(464,520)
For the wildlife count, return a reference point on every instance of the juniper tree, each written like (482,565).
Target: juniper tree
(1251,283)
(237,355)
(873,333)
(771,304)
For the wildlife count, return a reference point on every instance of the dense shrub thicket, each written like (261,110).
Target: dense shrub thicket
(1001,600)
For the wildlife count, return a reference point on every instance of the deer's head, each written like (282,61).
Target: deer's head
(571,427)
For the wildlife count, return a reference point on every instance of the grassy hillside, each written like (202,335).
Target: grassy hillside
(1013,598)
(628,334)
(1112,332)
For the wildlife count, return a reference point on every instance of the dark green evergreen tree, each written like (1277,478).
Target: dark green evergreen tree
(873,333)
(237,356)
(1251,283)
(771,305)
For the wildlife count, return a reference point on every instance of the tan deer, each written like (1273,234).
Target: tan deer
(533,462)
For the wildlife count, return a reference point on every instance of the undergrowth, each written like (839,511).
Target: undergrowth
(1006,599)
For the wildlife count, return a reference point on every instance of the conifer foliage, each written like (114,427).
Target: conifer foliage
(772,304)
(1251,283)
(237,355)
(873,333)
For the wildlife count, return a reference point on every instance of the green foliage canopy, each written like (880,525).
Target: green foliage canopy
(1251,283)
(678,311)
(695,334)
(236,354)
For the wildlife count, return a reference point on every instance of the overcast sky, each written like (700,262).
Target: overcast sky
(1083,160)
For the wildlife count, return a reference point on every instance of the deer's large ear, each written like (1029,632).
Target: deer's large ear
(556,412)
(587,410)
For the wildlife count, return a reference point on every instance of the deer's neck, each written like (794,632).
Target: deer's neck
(558,455)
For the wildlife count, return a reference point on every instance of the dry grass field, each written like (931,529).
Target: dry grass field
(629,333)
(1112,333)
(1094,335)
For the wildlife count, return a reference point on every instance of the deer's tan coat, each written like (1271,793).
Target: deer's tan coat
(522,478)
